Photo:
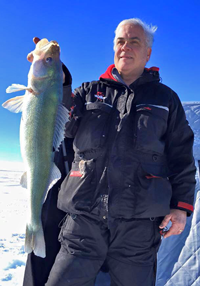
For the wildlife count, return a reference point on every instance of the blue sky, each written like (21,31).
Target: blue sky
(85,31)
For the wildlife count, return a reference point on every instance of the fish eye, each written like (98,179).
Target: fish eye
(49,60)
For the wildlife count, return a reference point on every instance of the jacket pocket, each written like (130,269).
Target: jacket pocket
(154,190)
(77,190)
(151,125)
(93,128)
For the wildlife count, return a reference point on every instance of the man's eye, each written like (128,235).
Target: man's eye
(134,42)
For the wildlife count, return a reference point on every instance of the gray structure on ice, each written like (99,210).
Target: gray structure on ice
(179,256)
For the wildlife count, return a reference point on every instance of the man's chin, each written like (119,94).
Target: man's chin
(125,69)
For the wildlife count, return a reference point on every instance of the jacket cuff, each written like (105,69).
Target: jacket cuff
(184,207)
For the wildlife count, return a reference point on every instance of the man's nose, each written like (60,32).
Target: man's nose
(126,46)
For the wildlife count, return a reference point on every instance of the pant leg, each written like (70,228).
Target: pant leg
(83,251)
(133,251)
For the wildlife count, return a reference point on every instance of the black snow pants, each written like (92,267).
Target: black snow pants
(129,248)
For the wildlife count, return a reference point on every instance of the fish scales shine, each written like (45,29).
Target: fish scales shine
(41,131)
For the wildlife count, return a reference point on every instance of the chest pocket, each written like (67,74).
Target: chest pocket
(93,129)
(151,126)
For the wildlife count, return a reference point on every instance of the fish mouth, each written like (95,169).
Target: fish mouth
(48,45)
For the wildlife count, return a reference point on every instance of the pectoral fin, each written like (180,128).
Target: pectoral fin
(14,104)
(61,120)
(23,181)
(16,87)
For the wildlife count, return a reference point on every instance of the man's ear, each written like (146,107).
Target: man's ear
(149,50)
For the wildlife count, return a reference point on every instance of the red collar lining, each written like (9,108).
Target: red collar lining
(108,73)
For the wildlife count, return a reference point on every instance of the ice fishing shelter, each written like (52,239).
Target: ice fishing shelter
(179,256)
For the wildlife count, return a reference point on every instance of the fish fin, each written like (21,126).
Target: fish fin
(28,240)
(61,120)
(23,181)
(54,177)
(35,242)
(16,87)
(14,104)
(39,248)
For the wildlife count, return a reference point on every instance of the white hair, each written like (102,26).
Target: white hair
(149,30)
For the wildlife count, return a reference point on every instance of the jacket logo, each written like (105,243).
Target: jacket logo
(100,96)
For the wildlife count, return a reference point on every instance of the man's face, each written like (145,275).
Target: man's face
(131,52)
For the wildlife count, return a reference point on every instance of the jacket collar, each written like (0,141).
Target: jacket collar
(149,75)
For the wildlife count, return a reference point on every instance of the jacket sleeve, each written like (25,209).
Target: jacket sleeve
(179,150)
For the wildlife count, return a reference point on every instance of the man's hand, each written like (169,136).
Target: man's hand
(178,219)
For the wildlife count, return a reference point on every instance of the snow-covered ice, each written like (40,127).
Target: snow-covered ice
(13,209)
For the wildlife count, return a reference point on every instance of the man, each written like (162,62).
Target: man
(133,170)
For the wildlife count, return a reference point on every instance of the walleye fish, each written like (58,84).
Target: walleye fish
(41,133)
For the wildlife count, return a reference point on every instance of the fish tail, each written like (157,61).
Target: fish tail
(35,242)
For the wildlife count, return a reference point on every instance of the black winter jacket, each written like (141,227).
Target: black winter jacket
(134,144)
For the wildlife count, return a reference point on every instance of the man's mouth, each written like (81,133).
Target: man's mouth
(126,57)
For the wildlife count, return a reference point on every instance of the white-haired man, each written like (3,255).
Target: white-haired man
(132,173)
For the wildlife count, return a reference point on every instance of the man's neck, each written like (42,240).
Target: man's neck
(121,77)
(130,78)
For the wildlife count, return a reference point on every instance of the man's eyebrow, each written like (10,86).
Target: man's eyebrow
(132,38)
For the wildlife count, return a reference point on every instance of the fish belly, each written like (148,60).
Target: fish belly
(36,140)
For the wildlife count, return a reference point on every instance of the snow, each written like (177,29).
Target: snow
(13,209)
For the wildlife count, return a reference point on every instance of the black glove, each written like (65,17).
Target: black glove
(68,77)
